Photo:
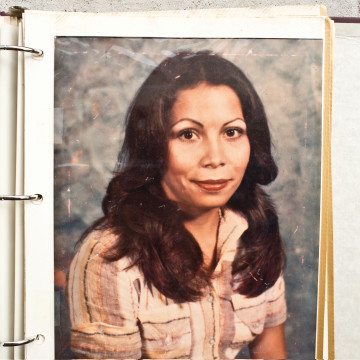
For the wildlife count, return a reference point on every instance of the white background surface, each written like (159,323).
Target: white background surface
(345,149)
(335,7)
(346,194)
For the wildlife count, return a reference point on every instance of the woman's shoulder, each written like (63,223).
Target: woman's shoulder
(102,293)
(95,248)
(98,239)
(277,290)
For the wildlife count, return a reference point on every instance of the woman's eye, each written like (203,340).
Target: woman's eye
(234,132)
(187,135)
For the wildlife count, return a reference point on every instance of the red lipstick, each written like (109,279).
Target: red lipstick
(212,185)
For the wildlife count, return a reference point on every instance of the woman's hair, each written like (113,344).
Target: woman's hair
(149,226)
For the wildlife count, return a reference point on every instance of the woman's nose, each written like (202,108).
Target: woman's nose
(213,155)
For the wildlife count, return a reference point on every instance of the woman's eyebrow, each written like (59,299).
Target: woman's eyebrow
(198,123)
(230,121)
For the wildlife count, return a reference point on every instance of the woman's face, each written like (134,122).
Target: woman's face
(208,148)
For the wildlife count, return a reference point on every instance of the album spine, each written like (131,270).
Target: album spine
(14,12)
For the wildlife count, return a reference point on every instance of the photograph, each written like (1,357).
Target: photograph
(187,192)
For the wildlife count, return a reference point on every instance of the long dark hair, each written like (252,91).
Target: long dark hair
(149,226)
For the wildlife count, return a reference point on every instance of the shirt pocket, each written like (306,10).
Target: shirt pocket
(166,331)
(250,311)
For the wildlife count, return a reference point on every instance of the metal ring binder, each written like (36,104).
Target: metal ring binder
(36,52)
(17,11)
(23,342)
(21,197)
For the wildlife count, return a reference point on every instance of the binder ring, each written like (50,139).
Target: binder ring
(36,52)
(21,197)
(23,342)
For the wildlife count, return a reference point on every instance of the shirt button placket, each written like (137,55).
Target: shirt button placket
(212,339)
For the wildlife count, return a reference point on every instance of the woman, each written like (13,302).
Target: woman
(187,261)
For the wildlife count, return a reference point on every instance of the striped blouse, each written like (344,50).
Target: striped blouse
(115,315)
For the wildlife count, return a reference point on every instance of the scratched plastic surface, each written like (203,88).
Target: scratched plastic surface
(95,80)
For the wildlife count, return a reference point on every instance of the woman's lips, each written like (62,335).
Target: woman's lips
(212,185)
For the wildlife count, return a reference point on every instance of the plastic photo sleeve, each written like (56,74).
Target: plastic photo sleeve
(97,76)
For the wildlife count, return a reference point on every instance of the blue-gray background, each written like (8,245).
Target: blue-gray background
(96,78)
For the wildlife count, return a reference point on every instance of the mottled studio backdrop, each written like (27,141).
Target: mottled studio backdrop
(95,80)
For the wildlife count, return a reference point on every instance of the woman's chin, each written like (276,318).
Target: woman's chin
(204,205)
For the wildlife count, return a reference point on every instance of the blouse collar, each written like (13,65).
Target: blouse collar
(232,226)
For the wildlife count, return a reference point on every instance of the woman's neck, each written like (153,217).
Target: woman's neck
(204,228)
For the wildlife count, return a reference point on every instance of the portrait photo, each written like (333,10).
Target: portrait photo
(187,192)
